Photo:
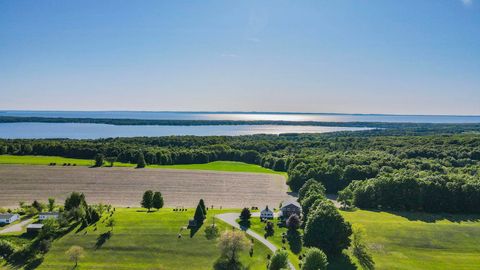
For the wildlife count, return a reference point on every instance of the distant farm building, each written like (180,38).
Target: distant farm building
(266,213)
(45,215)
(8,218)
(33,228)
(289,208)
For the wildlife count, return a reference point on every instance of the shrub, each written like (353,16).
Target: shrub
(211,232)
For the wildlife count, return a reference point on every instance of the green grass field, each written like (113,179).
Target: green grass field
(259,227)
(229,166)
(420,241)
(143,240)
(412,241)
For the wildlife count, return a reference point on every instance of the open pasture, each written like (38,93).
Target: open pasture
(143,240)
(420,240)
(125,186)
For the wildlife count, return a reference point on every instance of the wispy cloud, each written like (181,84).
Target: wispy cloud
(467,2)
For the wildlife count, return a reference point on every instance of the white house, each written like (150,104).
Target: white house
(45,215)
(8,218)
(266,213)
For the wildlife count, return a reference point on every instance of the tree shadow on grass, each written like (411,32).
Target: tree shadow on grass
(295,241)
(146,211)
(340,262)
(82,226)
(102,238)
(194,230)
(434,217)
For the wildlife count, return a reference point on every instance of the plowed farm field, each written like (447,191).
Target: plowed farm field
(125,186)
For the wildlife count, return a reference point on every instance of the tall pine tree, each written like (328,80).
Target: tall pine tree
(199,215)
(202,205)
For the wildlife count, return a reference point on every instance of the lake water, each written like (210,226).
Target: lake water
(326,117)
(95,131)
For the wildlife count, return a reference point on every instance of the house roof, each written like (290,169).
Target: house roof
(291,202)
(6,216)
(35,226)
(48,213)
(266,210)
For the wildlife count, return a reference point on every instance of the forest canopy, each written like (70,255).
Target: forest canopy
(382,169)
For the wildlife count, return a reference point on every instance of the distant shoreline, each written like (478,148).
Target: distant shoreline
(180,122)
(240,112)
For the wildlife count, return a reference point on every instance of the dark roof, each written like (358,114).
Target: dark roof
(291,202)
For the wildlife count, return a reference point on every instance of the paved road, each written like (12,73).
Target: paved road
(230,218)
(18,227)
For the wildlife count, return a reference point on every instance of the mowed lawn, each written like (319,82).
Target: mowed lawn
(412,241)
(143,240)
(293,249)
(228,166)
(420,241)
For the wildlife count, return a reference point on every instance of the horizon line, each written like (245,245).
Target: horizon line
(246,112)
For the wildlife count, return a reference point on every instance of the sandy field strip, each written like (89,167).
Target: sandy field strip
(125,186)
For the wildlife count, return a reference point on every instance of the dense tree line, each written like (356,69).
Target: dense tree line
(408,191)
(399,127)
(446,164)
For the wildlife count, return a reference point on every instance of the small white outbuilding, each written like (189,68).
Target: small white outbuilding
(266,213)
(8,218)
(46,215)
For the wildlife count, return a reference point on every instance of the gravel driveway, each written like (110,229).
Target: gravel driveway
(18,227)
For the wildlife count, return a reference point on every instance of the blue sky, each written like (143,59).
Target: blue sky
(379,56)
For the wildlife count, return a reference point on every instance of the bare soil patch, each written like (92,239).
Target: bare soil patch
(125,186)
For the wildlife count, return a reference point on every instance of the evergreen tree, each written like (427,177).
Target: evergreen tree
(147,200)
(157,202)
(245,214)
(202,205)
(199,215)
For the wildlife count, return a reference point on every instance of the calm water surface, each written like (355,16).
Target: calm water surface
(95,131)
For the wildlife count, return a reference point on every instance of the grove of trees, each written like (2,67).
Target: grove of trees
(437,167)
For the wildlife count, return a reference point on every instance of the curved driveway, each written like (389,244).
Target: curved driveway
(17,227)
(231,218)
